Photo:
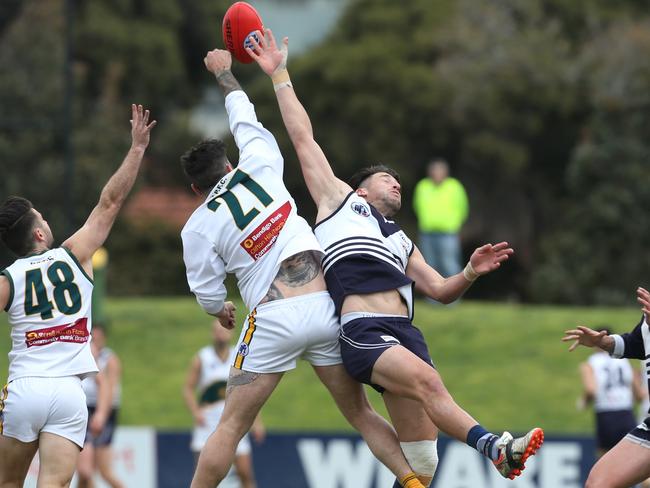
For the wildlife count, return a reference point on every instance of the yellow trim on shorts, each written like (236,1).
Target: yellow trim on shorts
(5,394)
(248,337)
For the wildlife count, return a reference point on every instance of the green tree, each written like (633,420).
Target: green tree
(597,252)
(143,51)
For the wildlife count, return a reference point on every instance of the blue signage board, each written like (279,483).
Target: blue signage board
(318,460)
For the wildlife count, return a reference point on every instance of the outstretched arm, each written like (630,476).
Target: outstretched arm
(584,336)
(256,144)
(445,290)
(326,189)
(94,232)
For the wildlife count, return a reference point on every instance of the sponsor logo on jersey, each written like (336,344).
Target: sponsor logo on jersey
(360,208)
(76,333)
(243,349)
(262,239)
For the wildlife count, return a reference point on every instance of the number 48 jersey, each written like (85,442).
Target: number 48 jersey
(249,223)
(49,314)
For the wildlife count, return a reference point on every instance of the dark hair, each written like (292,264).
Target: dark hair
(16,224)
(606,328)
(359,177)
(205,164)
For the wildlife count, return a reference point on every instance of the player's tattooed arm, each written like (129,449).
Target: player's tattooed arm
(300,269)
(218,62)
(227,82)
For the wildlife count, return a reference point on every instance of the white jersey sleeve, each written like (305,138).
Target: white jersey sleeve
(206,271)
(256,144)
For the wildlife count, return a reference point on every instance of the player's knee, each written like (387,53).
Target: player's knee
(428,384)
(422,456)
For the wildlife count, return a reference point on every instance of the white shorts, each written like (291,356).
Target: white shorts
(37,404)
(275,334)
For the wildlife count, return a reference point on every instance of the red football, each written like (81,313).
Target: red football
(239,23)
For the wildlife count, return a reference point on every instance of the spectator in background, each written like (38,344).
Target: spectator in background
(207,379)
(441,207)
(100,264)
(97,454)
(609,384)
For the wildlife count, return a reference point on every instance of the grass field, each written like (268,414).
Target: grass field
(504,363)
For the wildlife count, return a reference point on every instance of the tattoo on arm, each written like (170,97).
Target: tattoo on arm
(227,82)
(300,269)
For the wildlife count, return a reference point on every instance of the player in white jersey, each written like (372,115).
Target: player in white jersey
(370,268)
(47,294)
(628,462)
(609,385)
(207,379)
(97,454)
(248,225)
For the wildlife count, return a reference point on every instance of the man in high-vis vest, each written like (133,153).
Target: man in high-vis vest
(441,206)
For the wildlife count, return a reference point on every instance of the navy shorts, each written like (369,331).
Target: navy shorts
(641,434)
(106,436)
(364,339)
(611,427)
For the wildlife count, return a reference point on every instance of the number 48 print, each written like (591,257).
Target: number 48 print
(66,292)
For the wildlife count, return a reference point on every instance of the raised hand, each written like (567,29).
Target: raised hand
(643,297)
(218,60)
(266,53)
(489,257)
(140,127)
(584,336)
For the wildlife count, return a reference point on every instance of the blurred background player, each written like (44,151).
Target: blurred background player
(441,207)
(97,454)
(47,293)
(609,384)
(207,378)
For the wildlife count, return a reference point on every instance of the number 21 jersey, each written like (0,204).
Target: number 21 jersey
(49,313)
(249,222)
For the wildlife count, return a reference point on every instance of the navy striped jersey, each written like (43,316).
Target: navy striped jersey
(364,252)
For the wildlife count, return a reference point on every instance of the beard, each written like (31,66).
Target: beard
(391,205)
